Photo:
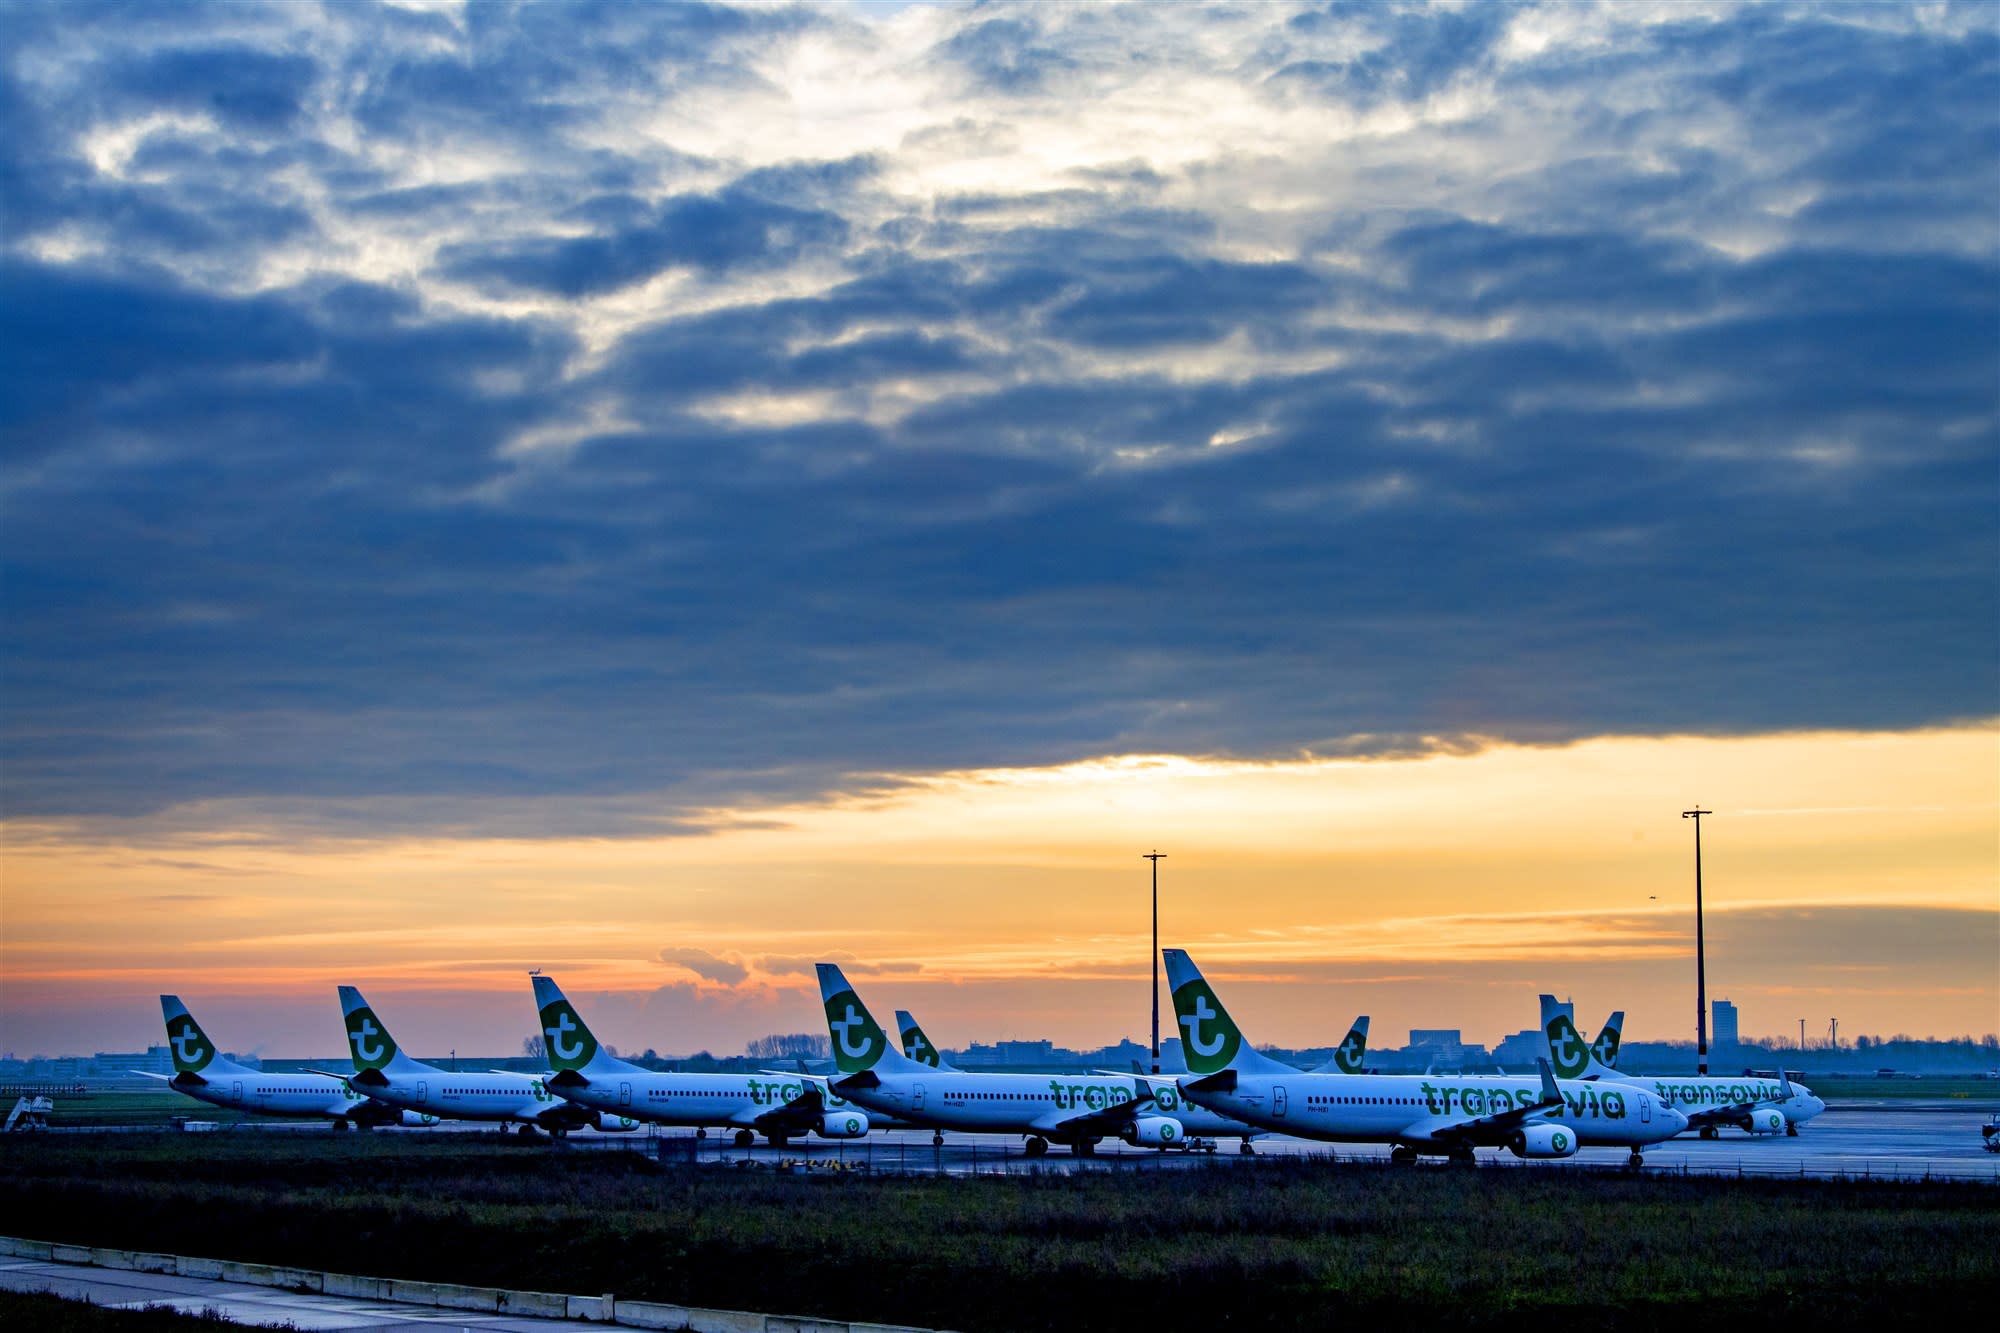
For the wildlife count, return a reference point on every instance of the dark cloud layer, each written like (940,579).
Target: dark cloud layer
(1661,432)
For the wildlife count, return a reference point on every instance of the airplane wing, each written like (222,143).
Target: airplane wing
(1488,1130)
(1097,1124)
(164,1078)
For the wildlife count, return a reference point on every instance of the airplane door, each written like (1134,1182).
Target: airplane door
(624,1094)
(916,1096)
(423,1094)
(1278,1099)
(236,1093)
(1645,1109)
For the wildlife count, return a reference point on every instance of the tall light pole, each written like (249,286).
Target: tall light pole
(1156,858)
(1700,953)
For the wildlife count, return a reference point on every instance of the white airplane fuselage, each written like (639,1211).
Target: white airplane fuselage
(455,1095)
(241,1088)
(689,1100)
(1036,1104)
(1408,1109)
(1694,1093)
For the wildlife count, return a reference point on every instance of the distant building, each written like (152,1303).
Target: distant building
(1041,1052)
(152,1060)
(1444,1047)
(1724,1016)
(1521,1050)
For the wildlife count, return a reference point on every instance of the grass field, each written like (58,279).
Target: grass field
(1276,1245)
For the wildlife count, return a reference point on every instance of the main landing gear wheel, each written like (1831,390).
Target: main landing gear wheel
(1461,1157)
(780,1140)
(1402,1156)
(937,1138)
(1036,1146)
(744,1138)
(1085,1147)
(1247,1148)
(525,1132)
(1710,1132)
(340,1125)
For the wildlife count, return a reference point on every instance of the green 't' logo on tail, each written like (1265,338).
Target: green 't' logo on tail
(1605,1048)
(191,1047)
(1568,1051)
(1350,1054)
(858,1040)
(1208,1037)
(371,1043)
(568,1042)
(915,1044)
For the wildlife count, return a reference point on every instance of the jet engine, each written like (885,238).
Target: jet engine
(608,1123)
(416,1120)
(1543,1140)
(1153,1131)
(843,1125)
(1766,1120)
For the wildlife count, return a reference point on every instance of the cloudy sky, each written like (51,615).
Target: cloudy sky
(680,451)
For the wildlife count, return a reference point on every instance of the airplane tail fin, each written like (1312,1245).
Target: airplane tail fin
(567,1042)
(1351,1056)
(1210,1039)
(192,1050)
(915,1044)
(1604,1051)
(859,1044)
(368,1040)
(1568,1053)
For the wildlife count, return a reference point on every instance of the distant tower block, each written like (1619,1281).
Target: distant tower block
(1724,1014)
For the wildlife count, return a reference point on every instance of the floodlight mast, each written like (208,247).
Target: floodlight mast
(1156,858)
(1700,952)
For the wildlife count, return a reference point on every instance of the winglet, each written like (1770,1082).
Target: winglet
(1551,1094)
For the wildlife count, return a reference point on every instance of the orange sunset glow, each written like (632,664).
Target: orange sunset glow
(1848,875)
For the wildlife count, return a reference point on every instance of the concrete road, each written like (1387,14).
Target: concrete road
(260,1306)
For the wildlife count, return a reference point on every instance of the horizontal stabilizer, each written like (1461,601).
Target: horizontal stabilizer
(568,1078)
(1224,1081)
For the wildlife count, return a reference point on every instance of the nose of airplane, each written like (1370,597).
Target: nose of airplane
(1675,1117)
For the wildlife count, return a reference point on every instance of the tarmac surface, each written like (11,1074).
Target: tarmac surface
(1894,1139)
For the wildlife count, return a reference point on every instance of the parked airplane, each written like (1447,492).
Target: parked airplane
(779,1106)
(1073,1109)
(1758,1106)
(1200,1127)
(203,1074)
(383,1072)
(1444,1114)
